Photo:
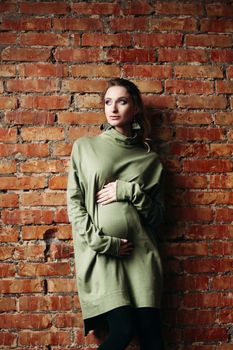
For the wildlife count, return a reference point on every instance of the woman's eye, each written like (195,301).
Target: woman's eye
(108,102)
(123,102)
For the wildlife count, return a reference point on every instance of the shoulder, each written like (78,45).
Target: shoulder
(84,141)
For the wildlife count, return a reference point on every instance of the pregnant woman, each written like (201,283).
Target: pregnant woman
(115,206)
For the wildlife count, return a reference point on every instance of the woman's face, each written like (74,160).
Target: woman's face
(119,108)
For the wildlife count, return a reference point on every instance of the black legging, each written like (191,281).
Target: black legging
(125,321)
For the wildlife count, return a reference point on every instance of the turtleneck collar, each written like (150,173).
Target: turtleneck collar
(126,140)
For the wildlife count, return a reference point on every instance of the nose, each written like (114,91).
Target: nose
(114,107)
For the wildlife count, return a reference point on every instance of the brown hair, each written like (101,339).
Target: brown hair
(135,93)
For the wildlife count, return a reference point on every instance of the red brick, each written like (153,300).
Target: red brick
(8,135)
(7,70)
(187,283)
(30,252)
(208,299)
(44,39)
(25,54)
(182,55)
(22,183)
(230,133)
(44,269)
(190,150)
(39,232)
(208,165)
(186,249)
(224,87)
(207,198)
(89,101)
(61,251)
(6,252)
(47,166)
(7,304)
(224,214)
(148,71)
(58,183)
(225,316)
(44,8)
(26,217)
(8,38)
(75,133)
(45,303)
(222,56)
(205,102)
(120,24)
(222,282)
(22,321)
(83,85)
(198,72)
(9,234)
(13,286)
(97,8)
(131,55)
(82,24)
(160,101)
(201,265)
(60,338)
(77,118)
(79,55)
(186,24)
(106,39)
(28,117)
(42,134)
(61,285)
(93,70)
(29,85)
(224,118)
(9,200)
(230,72)
(219,9)
(43,70)
(26,23)
(156,40)
(217,25)
(7,7)
(7,270)
(45,102)
(189,87)
(61,216)
(221,248)
(137,8)
(221,181)
(190,118)
(221,150)
(209,232)
(178,8)
(207,134)
(209,334)
(8,102)
(43,199)
(68,320)
(145,86)
(8,339)
(209,40)
(7,166)
(61,149)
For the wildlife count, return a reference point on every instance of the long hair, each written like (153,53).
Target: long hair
(140,117)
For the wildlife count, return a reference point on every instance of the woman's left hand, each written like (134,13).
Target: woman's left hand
(107,194)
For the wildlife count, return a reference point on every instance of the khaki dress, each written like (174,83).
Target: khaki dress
(105,280)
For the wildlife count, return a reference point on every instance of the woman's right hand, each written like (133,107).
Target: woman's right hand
(126,248)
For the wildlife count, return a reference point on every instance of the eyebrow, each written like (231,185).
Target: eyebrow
(126,97)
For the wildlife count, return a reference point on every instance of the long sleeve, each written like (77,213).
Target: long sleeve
(149,205)
(81,220)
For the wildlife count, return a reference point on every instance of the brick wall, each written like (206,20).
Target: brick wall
(55,59)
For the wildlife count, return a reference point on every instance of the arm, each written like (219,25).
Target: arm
(150,205)
(81,220)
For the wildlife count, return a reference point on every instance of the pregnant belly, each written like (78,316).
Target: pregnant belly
(117,219)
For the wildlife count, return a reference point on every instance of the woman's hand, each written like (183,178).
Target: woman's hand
(126,248)
(107,194)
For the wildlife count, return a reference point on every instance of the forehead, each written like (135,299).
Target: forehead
(116,91)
